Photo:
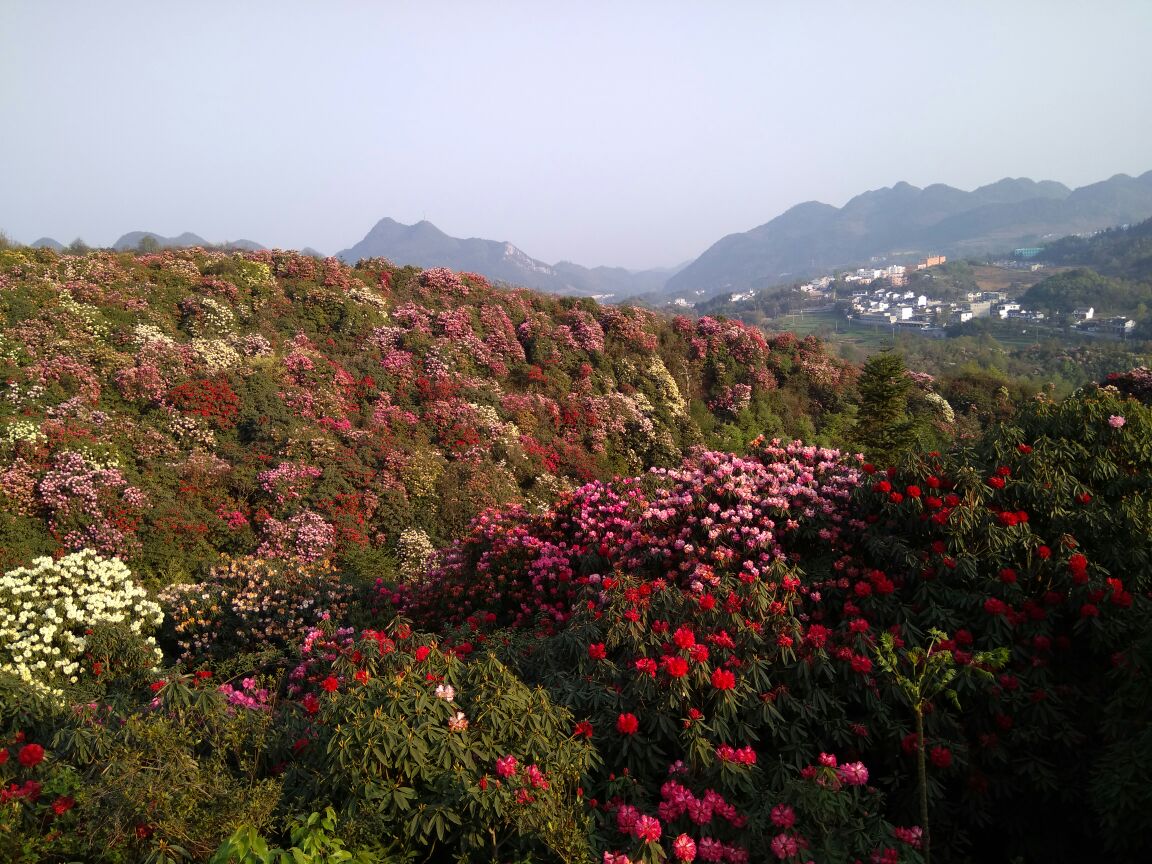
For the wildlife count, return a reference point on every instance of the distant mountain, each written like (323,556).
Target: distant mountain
(425,245)
(902,222)
(132,239)
(48,243)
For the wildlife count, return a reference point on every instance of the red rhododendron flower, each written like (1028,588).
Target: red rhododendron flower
(995,606)
(31,755)
(422,653)
(647,666)
(723,679)
(1078,564)
(627,724)
(1044,553)
(597,651)
(63,804)
(330,684)
(584,729)
(676,667)
(941,757)
(684,637)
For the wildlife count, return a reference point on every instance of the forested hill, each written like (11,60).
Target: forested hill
(171,407)
(1122,251)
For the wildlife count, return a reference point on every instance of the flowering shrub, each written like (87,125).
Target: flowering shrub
(718,512)
(48,610)
(247,604)
(729,614)
(91,505)
(35,793)
(422,748)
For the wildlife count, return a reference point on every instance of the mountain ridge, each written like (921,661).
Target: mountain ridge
(813,237)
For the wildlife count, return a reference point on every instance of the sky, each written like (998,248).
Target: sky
(630,134)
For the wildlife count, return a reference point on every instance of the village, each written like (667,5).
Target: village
(879,298)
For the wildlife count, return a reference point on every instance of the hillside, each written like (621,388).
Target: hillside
(425,245)
(270,402)
(648,632)
(904,222)
(1124,252)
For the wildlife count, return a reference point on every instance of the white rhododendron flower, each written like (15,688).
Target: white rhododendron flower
(46,608)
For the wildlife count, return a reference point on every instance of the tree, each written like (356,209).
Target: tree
(883,428)
(931,674)
(78,247)
(148,244)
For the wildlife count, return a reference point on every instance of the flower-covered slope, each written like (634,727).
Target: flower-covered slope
(167,408)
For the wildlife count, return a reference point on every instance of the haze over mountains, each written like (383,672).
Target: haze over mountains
(132,239)
(897,224)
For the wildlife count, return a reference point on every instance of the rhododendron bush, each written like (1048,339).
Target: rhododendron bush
(48,611)
(338,407)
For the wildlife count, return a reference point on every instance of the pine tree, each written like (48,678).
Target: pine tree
(884,429)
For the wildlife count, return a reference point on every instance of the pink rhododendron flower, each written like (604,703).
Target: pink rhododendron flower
(853,773)
(506,766)
(684,848)
(783,816)
(647,829)
(784,846)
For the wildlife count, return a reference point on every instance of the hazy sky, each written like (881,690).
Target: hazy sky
(623,133)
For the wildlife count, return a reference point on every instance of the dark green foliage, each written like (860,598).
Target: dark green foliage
(1062,293)
(1124,252)
(884,429)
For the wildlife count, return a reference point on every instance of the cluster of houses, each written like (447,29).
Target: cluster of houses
(1086,323)
(881,299)
(909,311)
